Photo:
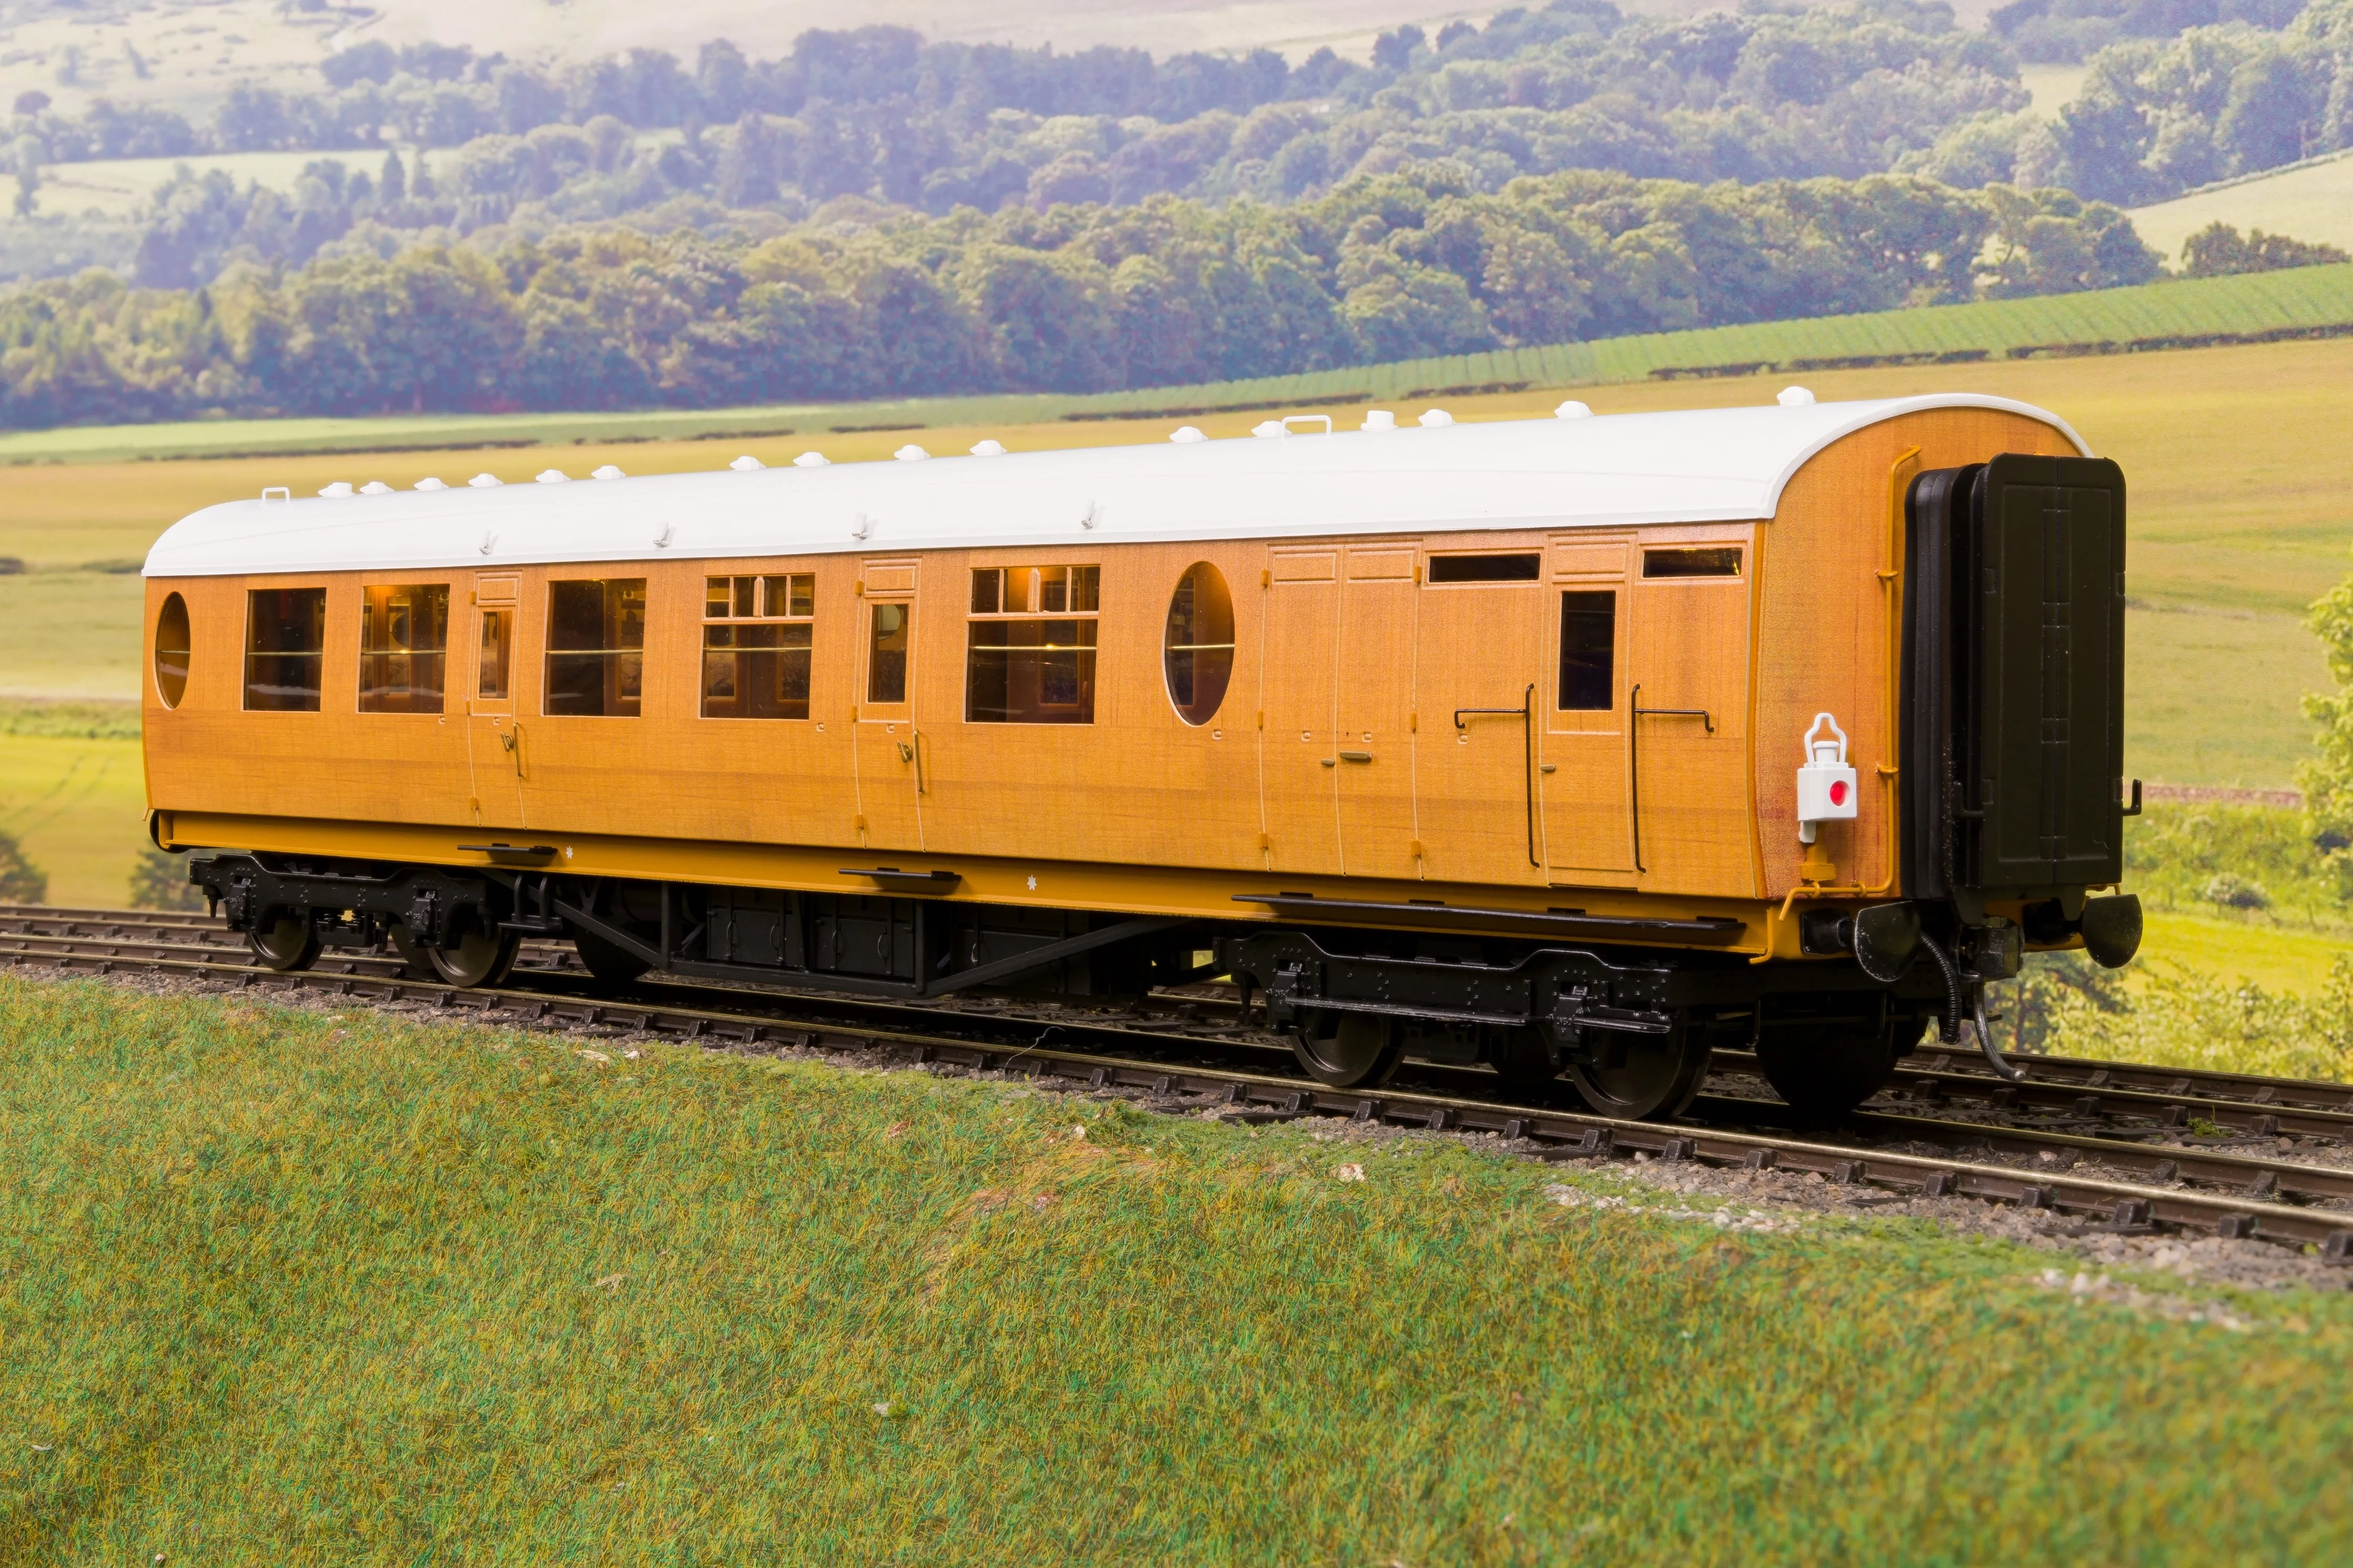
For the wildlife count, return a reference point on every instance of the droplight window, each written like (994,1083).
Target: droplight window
(595,648)
(1030,655)
(285,645)
(756,639)
(404,646)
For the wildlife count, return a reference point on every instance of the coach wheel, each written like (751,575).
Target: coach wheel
(1826,1070)
(1641,1076)
(1349,1050)
(481,957)
(414,964)
(288,943)
(1522,1060)
(611,965)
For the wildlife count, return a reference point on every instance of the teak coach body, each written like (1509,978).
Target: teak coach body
(1469,742)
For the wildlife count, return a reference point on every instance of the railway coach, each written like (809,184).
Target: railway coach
(1578,746)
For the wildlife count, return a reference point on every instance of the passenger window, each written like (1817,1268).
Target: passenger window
(1516,567)
(498,655)
(595,648)
(886,656)
(285,645)
(1198,648)
(1588,651)
(757,634)
(172,648)
(404,642)
(1714,560)
(1022,667)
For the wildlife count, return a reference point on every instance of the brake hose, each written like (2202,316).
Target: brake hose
(1949,1025)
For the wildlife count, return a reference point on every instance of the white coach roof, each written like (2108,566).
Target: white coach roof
(1701,466)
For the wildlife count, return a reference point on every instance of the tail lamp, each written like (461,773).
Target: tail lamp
(1826,788)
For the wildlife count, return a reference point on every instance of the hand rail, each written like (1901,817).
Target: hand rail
(1634,758)
(1527,712)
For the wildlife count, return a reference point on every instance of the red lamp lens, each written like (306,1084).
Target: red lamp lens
(1837,793)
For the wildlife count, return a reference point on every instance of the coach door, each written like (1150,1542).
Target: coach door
(1298,768)
(1688,669)
(497,747)
(1583,771)
(1372,743)
(1479,686)
(890,749)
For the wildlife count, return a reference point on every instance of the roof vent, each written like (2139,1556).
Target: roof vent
(337,490)
(810,460)
(1431,418)
(376,487)
(484,482)
(608,472)
(552,476)
(1794,398)
(911,453)
(1185,435)
(747,464)
(1572,409)
(1379,419)
(431,484)
(1270,429)
(988,449)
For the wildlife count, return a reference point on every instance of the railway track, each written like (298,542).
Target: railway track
(1196,1046)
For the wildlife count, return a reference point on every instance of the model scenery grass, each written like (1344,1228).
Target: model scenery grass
(322,1288)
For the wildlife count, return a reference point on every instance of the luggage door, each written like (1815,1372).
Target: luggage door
(890,759)
(1482,692)
(1374,744)
(1585,763)
(497,747)
(1298,760)
(1688,717)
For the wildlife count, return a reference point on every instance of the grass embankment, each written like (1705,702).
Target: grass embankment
(2313,202)
(304,1288)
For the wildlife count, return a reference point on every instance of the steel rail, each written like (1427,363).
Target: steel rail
(2122,1207)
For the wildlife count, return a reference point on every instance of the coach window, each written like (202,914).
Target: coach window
(1519,566)
(756,646)
(285,644)
(1588,650)
(404,646)
(497,656)
(1198,648)
(595,648)
(1710,561)
(1031,658)
(171,647)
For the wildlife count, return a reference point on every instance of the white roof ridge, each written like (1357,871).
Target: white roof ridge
(1610,471)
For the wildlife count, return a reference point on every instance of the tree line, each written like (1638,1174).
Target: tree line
(1080,297)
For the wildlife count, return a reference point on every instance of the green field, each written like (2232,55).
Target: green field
(305,1288)
(2312,203)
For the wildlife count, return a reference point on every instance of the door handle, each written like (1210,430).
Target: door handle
(906,752)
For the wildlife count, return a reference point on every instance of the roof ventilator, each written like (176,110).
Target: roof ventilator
(810,460)
(484,482)
(988,449)
(337,490)
(430,483)
(911,453)
(276,492)
(1794,398)
(552,477)
(1572,409)
(376,487)
(1435,418)
(1379,419)
(1270,429)
(747,464)
(608,472)
(1185,435)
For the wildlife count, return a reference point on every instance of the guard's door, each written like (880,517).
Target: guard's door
(1298,760)
(889,757)
(1479,684)
(1689,718)
(497,743)
(1373,746)
(1584,776)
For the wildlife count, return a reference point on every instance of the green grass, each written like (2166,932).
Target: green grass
(2309,296)
(2276,957)
(2212,698)
(299,1288)
(2313,203)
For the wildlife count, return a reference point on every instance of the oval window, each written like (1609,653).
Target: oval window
(172,651)
(1199,651)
